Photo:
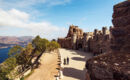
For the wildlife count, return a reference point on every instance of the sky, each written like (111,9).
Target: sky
(51,18)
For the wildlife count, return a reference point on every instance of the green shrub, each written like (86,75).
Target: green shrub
(22,78)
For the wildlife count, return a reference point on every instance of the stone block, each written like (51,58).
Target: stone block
(121,21)
(122,4)
(120,12)
(116,32)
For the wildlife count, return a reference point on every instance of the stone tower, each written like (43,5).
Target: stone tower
(75,30)
(95,32)
(85,36)
(74,39)
(104,30)
(85,41)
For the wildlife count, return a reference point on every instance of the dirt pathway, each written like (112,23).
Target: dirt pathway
(76,68)
(47,70)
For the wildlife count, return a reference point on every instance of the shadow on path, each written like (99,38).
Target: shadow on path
(79,52)
(78,59)
(74,73)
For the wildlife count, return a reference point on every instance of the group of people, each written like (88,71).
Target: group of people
(66,61)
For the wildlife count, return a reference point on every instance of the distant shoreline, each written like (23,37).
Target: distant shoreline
(11,45)
(4,47)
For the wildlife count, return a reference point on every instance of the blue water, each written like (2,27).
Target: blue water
(4,54)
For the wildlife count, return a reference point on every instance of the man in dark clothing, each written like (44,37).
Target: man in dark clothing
(64,61)
(67,60)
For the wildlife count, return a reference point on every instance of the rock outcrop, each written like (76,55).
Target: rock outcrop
(116,64)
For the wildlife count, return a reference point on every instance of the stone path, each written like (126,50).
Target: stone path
(76,68)
(48,68)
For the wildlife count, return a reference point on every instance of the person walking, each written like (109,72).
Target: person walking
(64,61)
(67,60)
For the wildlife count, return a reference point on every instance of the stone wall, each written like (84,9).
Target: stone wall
(121,30)
(116,64)
(99,42)
(65,42)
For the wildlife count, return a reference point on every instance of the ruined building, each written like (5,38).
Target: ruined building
(96,42)
(99,42)
(73,40)
(114,65)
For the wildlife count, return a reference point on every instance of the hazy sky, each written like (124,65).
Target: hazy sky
(51,18)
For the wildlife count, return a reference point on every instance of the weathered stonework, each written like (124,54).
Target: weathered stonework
(73,40)
(114,65)
(65,42)
(99,42)
(75,30)
(121,30)
(110,66)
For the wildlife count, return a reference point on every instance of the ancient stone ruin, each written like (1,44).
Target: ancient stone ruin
(114,65)
(96,42)
(70,41)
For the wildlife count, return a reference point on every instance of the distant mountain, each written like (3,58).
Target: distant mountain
(8,41)
(26,38)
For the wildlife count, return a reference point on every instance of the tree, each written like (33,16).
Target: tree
(2,75)
(52,46)
(35,44)
(24,57)
(28,51)
(36,41)
(41,46)
(6,67)
(15,50)
(29,48)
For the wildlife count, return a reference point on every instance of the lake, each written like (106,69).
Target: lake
(4,54)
